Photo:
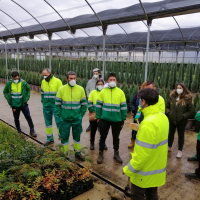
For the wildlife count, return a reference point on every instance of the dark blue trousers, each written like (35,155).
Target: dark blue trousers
(26,112)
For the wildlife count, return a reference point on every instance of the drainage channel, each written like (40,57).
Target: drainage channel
(81,166)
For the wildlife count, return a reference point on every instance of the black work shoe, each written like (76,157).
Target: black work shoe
(80,157)
(192,159)
(117,157)
(32,133)
(192,176)
(100,158)
(92,146)
(88,129)
(48,143)
(19,132)
(105,148)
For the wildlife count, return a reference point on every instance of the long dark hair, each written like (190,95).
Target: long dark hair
(185,95)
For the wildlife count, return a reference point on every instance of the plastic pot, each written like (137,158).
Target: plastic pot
(190,124)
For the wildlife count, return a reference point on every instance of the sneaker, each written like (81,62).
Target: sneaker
(169,149)
(179,154)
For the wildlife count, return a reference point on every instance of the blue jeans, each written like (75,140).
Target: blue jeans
(26,112)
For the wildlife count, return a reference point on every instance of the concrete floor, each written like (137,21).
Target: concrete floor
(177,187)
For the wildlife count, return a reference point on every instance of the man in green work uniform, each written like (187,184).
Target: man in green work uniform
(71,106)
(49,88)
(196,175)
(17,93)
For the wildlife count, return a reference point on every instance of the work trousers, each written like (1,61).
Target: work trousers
(94,126)
(48,113)
(104,128)
(26,112)
(64,128)
(181,135)
(197,171)
(138,193)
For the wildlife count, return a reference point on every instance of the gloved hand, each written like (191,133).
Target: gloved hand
(137,116)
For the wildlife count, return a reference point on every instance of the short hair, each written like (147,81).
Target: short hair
(70,73)
(100,80)
(150,83)
(14,74)
(149,95)
(47,69)
(112,75)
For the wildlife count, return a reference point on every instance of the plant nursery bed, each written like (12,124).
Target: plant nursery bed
(28,171)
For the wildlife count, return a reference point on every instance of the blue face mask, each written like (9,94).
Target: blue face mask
(140,104)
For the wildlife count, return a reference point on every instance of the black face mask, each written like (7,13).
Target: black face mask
(47,79)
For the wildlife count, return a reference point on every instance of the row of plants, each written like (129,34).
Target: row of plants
(164,75)
(31,172)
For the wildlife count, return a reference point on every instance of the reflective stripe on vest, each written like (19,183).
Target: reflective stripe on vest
(73,108)
(158,171)
(151,146)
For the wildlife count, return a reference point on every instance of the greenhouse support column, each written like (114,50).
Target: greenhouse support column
(17,57)
(70,53)
(50,36)
(86,64)
(184,55)
(159,57)
(143,56)
(129,58)
(177,56)
(96,57)
(117,55)
(147,49)
(104,47)
(5,40)
(196,62)
(133,56)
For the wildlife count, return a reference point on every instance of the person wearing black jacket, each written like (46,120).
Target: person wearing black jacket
(179,109)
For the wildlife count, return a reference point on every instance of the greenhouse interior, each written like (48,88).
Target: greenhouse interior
(139,41)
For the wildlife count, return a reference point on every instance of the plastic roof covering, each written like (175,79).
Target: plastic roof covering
(78,13)
(159,39)
(133,12)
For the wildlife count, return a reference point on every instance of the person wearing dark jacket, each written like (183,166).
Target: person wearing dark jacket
(179,109)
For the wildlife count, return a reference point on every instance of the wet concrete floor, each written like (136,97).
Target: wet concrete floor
(177,187)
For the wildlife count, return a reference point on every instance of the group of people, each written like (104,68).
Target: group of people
(107,107)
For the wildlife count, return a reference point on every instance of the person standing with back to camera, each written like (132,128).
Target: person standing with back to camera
(179,109)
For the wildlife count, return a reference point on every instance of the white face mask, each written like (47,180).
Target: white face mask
(179,91)
(72,83)
(100,87)
(45,77)
(96,76)
(112,84)
(16,81)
